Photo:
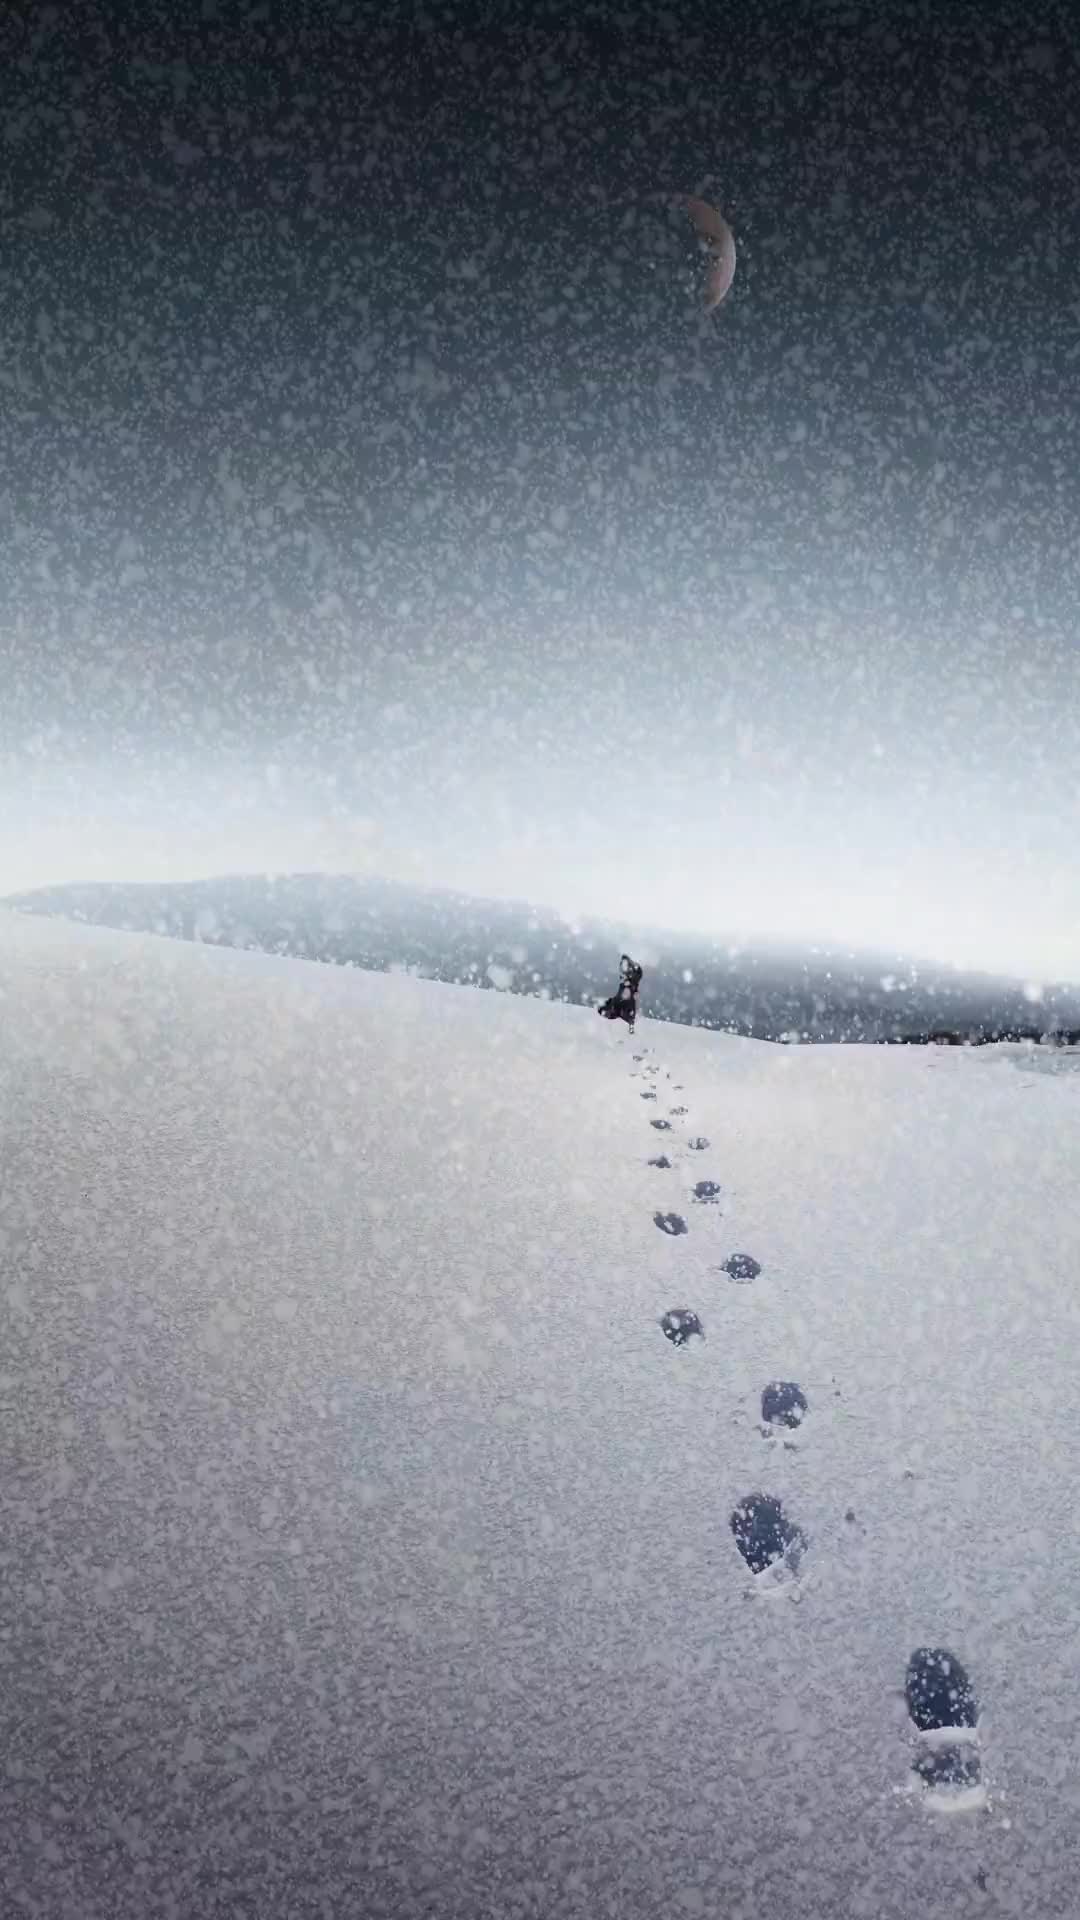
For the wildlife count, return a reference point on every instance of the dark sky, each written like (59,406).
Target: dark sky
(366,499)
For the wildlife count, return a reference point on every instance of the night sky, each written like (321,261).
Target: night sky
(367,500)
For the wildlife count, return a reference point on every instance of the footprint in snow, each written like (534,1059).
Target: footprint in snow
(942,1704)
(678,1111)
(741,1266)
(671,1223)
(698,1144)
(662,1126)
(679,1326)
(707,1192)
(767,1538)
(783,1404)
(648,1094)
(659,1160)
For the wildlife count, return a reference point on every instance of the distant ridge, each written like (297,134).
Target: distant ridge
(769,992)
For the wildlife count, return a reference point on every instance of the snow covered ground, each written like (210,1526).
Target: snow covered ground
(364,1545)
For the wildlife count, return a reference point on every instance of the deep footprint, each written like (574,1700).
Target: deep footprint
(662,1126)
(938,1691)
(741,1266)
(659,1160)
(956,1767)
(943,1707)
(647,1095)
(680,1325)
(707,1191)
(670,1223)
(783,1404)
(764,1534)
(698,1144)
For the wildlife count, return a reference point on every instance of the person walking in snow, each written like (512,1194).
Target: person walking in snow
(623,1004)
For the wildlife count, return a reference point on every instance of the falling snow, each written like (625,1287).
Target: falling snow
(480,488)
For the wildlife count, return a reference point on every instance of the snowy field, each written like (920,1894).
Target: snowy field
(365,1547)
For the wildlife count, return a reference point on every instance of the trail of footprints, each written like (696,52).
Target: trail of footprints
(940,1699)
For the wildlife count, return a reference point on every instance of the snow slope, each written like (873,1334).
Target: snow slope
(364,1546)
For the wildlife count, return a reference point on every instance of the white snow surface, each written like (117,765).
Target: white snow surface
(364,1546)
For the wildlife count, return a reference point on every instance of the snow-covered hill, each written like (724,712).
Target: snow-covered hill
(365,1548)
(767,991)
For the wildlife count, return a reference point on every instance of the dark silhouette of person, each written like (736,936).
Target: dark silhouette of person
(623,1004)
